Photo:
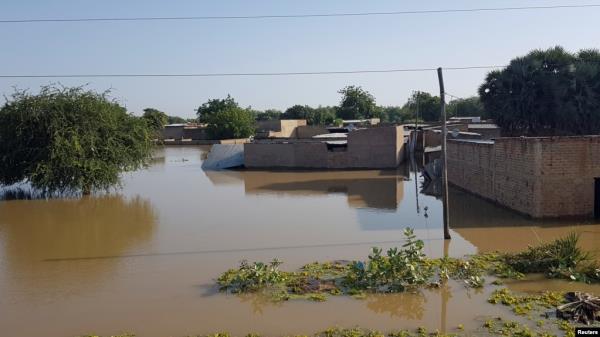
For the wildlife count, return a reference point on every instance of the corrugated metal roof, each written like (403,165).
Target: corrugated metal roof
(332,135)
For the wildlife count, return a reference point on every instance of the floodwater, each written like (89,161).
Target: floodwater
(144,259)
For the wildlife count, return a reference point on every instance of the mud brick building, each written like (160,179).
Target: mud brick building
(379,147)
(545,177)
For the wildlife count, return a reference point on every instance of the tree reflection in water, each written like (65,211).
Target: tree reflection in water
(407,305)
(258,302)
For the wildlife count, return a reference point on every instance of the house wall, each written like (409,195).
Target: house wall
(196,133)
(540,177)
(172,132)
(366,148)
(434,137)
(309,131)
(203,141)
(285,128)
(569,166)
(487,133)
(185,132)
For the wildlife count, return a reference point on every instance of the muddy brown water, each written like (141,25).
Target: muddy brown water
(144,260)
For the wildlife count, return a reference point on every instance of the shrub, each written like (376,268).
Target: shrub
(398,270)
(69,140)
(252,277)
(231,123)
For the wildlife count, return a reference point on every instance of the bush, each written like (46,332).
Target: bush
(226,119)
(400,269)
(231,123)
(407,268)
(561,253)
(561,258)
(357,103)
(69,140)
(156,119)
(252,277)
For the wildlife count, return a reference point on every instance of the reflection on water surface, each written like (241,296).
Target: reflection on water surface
(145,260)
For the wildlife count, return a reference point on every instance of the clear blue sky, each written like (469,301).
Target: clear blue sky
(314,44)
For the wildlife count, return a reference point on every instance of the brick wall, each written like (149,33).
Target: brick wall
(569,166)
(285,128)
(366,148)
(541,177)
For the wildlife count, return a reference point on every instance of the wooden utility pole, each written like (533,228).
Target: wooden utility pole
(444,160)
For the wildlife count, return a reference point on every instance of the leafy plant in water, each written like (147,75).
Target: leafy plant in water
(469,272)
(397,270)
(560,254)
(252,277)
(407,268)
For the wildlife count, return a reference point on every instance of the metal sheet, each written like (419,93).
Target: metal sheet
(223,156)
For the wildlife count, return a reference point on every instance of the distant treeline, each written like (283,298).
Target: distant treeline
(428,110)
(356,103)
(546,92)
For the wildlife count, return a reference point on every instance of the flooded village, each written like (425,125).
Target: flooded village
(304,196)
(235,203)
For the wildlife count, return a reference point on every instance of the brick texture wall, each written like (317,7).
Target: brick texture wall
(381,147)
(540,177)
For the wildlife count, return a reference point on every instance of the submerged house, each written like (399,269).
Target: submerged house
(287,128)
(543,177)
(486,130)
(191,134)
(379,147)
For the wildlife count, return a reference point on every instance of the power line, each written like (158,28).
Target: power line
(372,71)
(300,16)
(267,74)
(453,96)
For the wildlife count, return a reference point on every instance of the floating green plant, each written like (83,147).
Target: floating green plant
(407,268)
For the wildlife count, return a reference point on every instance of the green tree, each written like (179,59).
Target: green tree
(357,103)
(466,107)
(297,112)
(156,119)
(546,92)
(314,116)
(322,115)
(396,114)
(226,119)
(69,140)
(231,123)
(428,106)
(213,106)
(268,115)
(176,120)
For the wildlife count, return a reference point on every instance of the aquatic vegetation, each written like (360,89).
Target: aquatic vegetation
(495,264)
(124,335)
(492,327)
(526,303)
(574,306)
(251,277)
(567,327)
(561,258)
(317,297)
(471,271)
(311,282)
(398,270)
(408,269)
(509,328)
